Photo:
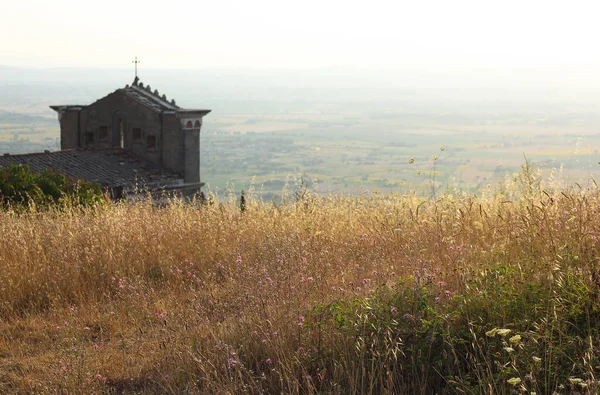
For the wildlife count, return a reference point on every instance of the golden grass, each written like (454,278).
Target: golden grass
(193,298)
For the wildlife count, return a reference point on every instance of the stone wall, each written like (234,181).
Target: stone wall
(172,144)
(69,125)
(192,155)
(101,124)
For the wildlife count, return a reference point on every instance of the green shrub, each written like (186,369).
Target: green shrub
(20,188)
(527,337)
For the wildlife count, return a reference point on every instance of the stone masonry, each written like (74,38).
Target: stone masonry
(140,121)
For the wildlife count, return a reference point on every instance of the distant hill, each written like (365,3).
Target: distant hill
(18,118)
(235,91)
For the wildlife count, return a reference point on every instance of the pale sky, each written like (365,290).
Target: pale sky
(276,34)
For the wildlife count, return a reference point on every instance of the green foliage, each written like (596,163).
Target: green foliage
(20,188)
(242,202)
(531,337)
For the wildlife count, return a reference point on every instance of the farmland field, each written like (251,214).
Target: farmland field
(339,153)
(335,154)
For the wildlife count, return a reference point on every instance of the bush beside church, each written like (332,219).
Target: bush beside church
(21,188)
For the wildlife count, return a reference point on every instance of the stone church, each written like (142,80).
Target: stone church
(133,138)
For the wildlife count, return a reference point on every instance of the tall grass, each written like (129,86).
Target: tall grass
(494,293)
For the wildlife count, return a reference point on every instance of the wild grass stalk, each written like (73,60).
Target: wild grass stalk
(376,294)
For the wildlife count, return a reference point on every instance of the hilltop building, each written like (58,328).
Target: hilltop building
(132,138)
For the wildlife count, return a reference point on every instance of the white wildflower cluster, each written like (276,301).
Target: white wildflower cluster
(499,332)
(577,381)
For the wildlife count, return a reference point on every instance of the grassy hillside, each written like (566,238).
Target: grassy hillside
(377,294)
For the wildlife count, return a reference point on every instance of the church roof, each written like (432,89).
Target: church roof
(113,167)
(148,98)
(144,95)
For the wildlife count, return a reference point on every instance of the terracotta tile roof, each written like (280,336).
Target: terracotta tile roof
(112,167)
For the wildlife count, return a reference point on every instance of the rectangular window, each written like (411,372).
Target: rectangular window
(103,133)
(89,138)
(150,142)
(137,134)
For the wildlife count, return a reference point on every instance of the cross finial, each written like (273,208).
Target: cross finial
(135,62)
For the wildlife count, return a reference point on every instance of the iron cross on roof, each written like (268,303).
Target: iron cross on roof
(135,62)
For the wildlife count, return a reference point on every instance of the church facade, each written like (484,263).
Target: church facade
(140,121)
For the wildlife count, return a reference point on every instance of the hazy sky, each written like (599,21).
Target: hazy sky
(267,34)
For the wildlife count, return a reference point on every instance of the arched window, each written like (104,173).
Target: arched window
(197,124)
(188,124)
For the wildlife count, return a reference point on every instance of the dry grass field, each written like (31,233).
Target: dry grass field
(496,293)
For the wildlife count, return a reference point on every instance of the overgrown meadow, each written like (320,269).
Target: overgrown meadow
(495,293)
